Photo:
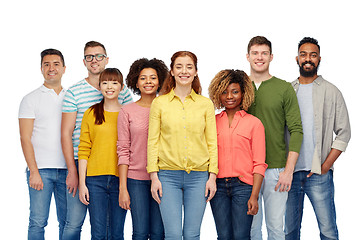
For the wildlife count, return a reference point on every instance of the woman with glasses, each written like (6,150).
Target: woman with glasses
(182,149)
(98,171)
(145,78)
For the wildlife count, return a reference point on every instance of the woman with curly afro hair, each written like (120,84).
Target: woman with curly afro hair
(145,78)
(241,155)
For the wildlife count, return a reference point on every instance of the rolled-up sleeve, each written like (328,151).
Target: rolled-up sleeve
(341,124)
(259,149)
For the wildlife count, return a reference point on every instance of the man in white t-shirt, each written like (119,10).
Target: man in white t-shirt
(40,133)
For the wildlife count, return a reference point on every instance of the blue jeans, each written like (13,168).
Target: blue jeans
(274,208)
(180,189)
(320,191)
(104,199)
(75,216)
(145,212)
(229,207)
(54,181)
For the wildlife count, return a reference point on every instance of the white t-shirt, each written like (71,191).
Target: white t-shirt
(44,105)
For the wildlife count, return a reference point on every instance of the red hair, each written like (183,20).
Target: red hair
(170,80)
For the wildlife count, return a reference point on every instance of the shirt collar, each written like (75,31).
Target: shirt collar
(192,95)
(242,113)
(45,89)
(318,80)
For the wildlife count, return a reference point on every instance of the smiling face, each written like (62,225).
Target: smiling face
(110,89)
(148,81)
(95,67)
(231,98)
(184,71)
(259,57)
(52,69)
(308,59)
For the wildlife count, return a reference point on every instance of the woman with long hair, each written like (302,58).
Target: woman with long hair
(182,149)
(98,170)
(145,78)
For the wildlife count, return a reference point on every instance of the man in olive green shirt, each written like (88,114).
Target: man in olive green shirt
(277,107)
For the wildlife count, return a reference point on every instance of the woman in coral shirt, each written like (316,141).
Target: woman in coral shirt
(241,149)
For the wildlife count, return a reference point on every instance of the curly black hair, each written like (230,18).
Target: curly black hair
(142,63)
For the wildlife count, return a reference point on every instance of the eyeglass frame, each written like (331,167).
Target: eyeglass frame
(96,57)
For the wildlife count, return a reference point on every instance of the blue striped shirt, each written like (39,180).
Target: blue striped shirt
(79,98)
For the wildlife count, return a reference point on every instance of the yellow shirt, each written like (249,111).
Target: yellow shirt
(182,135)
(98,144)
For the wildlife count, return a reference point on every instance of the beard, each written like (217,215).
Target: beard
(308,73)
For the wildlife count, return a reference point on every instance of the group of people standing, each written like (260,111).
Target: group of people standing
(166,155)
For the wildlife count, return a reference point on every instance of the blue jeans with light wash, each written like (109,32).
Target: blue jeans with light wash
(54,181)
(104,200)
(229,207)
(274,208)
(181,189)
(320,191)
(75,215)
(145,212)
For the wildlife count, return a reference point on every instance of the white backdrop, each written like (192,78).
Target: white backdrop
(216,32)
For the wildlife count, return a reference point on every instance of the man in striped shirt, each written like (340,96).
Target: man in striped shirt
(77,100)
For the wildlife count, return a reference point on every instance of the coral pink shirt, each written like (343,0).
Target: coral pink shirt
(241,147)
(133,126)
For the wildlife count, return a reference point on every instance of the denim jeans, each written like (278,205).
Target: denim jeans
(75,216)
(54,181)
(320,191)
(229,207)
(274,208)
(145,212)
(181,189)
(104,199)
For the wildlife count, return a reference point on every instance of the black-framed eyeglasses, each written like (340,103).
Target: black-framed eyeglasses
(98,57)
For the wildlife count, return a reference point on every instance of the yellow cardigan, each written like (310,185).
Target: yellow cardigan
(98,144)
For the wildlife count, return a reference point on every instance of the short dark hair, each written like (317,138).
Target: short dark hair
(259,40)
(308,40)
(94,44)
(142,63)
(51,51)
